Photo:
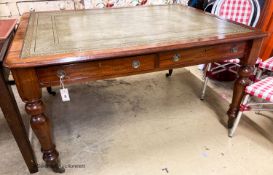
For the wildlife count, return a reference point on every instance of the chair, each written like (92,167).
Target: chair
(263,90)
(267,65)
(265,69)
(247,14)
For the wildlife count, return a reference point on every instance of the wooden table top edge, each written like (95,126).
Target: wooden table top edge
(14,60)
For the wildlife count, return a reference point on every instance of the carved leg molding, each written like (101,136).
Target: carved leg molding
(239,91)
(42,129)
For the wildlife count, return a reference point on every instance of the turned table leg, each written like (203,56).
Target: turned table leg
(245,71)
(40,125)
(238,92)
(31,93)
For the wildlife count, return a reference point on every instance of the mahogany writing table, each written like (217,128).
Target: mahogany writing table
(104,43)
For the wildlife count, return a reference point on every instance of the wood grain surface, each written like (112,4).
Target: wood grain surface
(47,38)
(105,43)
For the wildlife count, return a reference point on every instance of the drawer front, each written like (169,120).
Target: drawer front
(127,65)
(95,70)
(201,55)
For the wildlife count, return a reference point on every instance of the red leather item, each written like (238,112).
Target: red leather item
(6,26)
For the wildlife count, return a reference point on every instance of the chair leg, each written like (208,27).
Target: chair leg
(238,118)
(169,73)
(206,79)
(50,91)
(259,74)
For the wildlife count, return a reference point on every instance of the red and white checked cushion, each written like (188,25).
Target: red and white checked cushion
(240,11)
(237,61)
(262,89)
(268,64)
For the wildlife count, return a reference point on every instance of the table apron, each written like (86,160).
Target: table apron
(118,67)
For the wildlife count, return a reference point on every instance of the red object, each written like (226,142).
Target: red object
(262,89)
(143,2)
(240,11)
(6,26)
(244,108)
(237,10)
(224,75)
(109,5)
(268,64)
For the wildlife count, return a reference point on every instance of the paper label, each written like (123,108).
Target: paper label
(65,94)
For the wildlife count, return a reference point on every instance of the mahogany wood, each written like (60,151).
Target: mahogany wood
(40,69)
(95,70)
(245,71)
(202,54)
(8,104)
(31,94)
(15,61)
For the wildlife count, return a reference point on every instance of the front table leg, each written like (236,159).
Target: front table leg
(31,93)
(40,125)
(245,71)
(238,92)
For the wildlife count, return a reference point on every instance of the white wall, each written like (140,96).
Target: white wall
(15,8)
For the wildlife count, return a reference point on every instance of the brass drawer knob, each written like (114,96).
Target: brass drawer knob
(176,57)
(234,49)
(136,64)
(61,73)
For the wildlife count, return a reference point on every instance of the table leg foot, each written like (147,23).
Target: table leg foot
(56,166)
(50,91)
(58,169)
(169,73)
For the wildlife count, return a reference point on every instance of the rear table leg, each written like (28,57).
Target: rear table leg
(169,73)
(50,91)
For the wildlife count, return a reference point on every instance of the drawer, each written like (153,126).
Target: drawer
(95,69)
(127,65)
(201,55)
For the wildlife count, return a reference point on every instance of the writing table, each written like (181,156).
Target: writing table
(98,44)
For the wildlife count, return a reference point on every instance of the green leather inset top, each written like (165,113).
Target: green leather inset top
(51,33)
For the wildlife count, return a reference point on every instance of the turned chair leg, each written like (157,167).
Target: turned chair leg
(50,91)
(206,79)
(238,118)
(169,73)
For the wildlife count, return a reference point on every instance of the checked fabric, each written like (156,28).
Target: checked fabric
(237,61)
(262,89)
(268,64)
(240,11)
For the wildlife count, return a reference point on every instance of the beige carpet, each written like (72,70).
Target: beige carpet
(147,125)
